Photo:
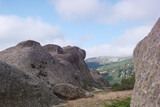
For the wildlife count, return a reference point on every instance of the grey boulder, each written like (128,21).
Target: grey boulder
(99,78)
(16,90)
(68,91)
(147,70)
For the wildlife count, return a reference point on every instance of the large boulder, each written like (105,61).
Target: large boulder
(147,69)
(68,91)
(30,57)
(48,66)
(16,90)
(75,57)
(99,78)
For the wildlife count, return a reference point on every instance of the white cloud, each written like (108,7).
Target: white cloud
(132,36)
(123,10)
(14,29)
(122,46)
(108,50)
(79,9)
(134,10)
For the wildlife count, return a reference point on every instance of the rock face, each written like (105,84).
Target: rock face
(99,78)
(17,91)
(73,57)
(68,91)
(34,60)
(147,69)
(48,66)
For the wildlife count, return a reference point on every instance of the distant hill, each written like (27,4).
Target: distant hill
(112,68)
(95,62)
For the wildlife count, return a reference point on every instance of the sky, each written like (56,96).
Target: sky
(101,27)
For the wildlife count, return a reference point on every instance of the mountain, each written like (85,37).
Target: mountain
(114,69)
(95,62)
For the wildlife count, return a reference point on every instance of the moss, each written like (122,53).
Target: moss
(145,85)
(145,65)
(153,75)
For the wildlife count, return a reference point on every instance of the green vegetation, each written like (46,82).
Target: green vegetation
(93,65)
(126,84)
(115,72)
(122,103)
(112,69)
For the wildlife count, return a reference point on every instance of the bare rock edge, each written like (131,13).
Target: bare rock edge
(147,69)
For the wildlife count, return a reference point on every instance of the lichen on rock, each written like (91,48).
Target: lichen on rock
(147,69)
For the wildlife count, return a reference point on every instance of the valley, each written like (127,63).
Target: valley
(113,69)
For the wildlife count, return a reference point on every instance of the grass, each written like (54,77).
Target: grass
(122,103)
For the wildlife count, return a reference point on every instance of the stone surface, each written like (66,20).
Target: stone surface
(17,91)
(147,69)
(99,78)
(74,56)
(32,59)
(68,91)
(48,66)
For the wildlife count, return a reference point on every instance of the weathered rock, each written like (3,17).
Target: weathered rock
(53,49)
(16,90)
(49,65)
(99,78)
(75,57)
(68,91)
(32,59)
(147,69)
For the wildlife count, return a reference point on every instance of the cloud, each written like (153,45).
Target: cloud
(79,9)
(132,36)
(122,46)
(105,11)
(134,10)
(15,29)
(108,50)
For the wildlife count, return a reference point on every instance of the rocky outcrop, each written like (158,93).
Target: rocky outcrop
(49,68)
(99,78)
(74,56)
(34,60)
(68,91)
(147,69)
(16,90)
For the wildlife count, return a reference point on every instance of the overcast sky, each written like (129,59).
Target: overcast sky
(101,27)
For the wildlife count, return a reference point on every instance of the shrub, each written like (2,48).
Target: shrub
(126,84)
(122,103)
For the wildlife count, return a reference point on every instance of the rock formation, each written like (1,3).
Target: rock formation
(74,56)
(34,60)
(99,78)
(147,69)
(17,91)
(55,67)
(68,91)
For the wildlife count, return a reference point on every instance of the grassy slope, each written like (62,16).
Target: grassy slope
(114,72)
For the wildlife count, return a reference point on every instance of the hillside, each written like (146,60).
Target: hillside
(95,62)
(112,68)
